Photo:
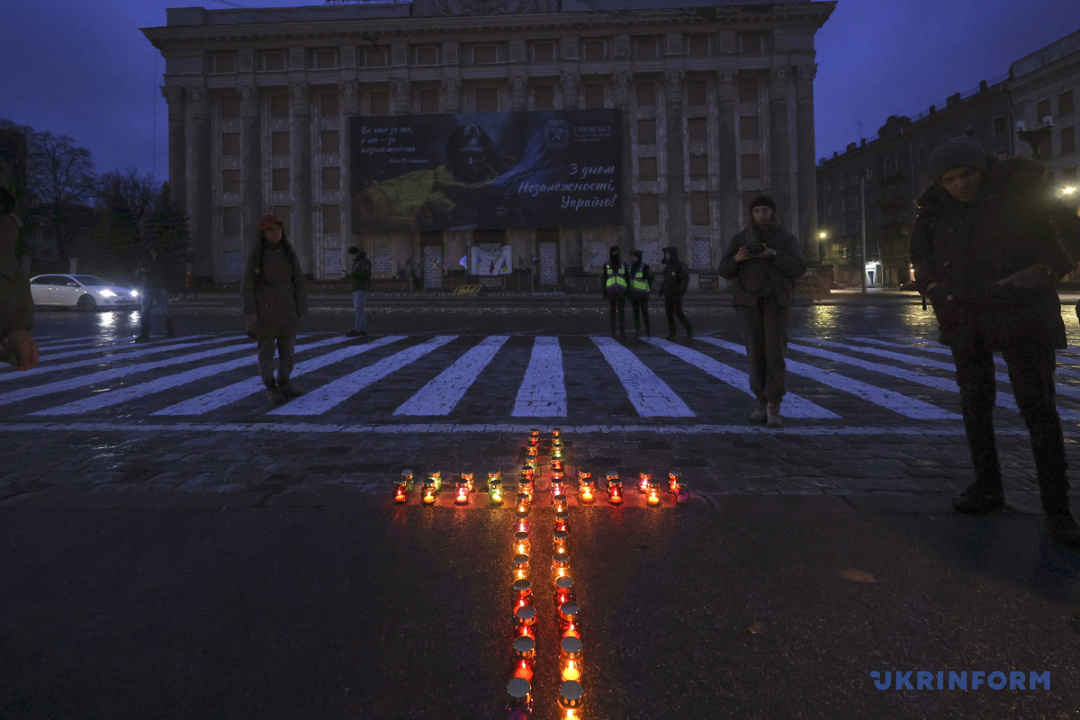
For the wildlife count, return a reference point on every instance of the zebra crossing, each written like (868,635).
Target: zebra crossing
(401,379)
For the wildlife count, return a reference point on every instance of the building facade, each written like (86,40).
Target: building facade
(714,102)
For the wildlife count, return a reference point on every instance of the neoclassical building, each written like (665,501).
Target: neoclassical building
(711,103)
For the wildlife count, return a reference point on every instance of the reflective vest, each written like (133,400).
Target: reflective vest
(639,286)
(616,283)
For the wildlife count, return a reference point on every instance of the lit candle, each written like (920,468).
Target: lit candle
(561,539)
(560,563)
(586,492)
(643,482)
(614,489)
(495,491)
(653,496)
(559,503)
(570,658)
(401,491)
(525,617)
(674,482)
(523,502)
(519,697)
(520,564)
(570,619)
(528,472)
(562,521)
(462,492)
(521,543)
(556,432)
(436,477)
(556,452)
(522,593)
(564,591)
(571,699)
(533,451)
(427,490)
(534,433)
(524,657)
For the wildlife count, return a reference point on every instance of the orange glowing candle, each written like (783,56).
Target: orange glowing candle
(653,495)
(570,658)
(643,482)
(559,503)
(521,543)
(571,698)
(520,566)
(564,591)
(525,618)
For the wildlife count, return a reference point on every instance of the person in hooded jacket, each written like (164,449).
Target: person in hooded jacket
(615,284)
(673,285)
(987,250)
(763,262)
(641,281)
(275,298)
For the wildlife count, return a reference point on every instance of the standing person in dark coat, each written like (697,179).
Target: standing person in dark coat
(17,345)
(763,262)
(275,297)
(673,287)
(641,281)
(154,271)
(987,253)
(615,281)
(360,274)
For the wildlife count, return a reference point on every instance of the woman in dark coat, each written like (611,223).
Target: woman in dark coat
(763,261)
(275,296)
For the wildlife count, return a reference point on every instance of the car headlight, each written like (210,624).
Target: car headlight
(134,293)
(108,293)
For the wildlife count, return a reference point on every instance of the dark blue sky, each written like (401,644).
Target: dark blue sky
(83,68)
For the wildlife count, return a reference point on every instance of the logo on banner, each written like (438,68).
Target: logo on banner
(557,134)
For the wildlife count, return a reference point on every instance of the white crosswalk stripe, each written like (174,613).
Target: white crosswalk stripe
(440,395)
(543,390)
(998,362)
(649,395)
(334,393)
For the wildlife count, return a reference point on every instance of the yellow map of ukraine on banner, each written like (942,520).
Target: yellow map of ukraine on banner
(491,262)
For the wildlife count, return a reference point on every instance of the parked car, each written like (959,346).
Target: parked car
(86,292)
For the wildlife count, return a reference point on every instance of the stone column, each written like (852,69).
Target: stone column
(779,185)
(252,207)
(300,163)
(451,94)
(569,82)
(622,83)
(518,99)
(174,95)
(727,155)
(197,146)
(676,186)
(400,89)
(350,108)
(807,160)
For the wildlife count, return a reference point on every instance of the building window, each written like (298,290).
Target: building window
(1065,103)
(428,101)
(645,47)
(696,92)
(1068,140)
(375,57)
(230,107)
(594,49)
(649,206)
(594,95)
(380,103)
(544,97)
(869,172)
(697,45)
(329,142)
(699,167)
(425,55)
(331,219)
(279,143)
(279,106)
(543,51)
(697,131)
(749,128)
(487,100)
(331,178)
(748,90)
(230,143)
(646,132)
(699,208)
(484,54)
(230,181)
(322,58)
(230,221)
(647,169)
(328,105)
(646,94)
(279,179)
(223,62)
(751,165)
(1042,110)
(753,42)
(272,60)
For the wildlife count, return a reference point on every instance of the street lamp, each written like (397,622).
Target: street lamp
(1035,137)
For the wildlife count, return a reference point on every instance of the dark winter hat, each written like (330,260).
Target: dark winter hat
(614,249)
(354,250)
(963,151)
(763,200)
(268,221)
(637,254)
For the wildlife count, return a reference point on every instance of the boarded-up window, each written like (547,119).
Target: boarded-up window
(699,208)
(279,106)
(749,128)
(646,94)
(272,60)
(331,178)
(646,132)
(279,143)
(380,103)
(230,181)
(699,167)
(544,97)
(697,45)
(223,62)
(230,143)
(330,141)
(748,90)
(1042,109)
(543,52)
(484,54)
(594,49)
(375,57)
(230,221)
(426,55)
(487,100)
(647,168)
(230,107)
(751,165)
(331,219)
(649,206)
(697,131)
(428,101)
(328,105)
(594,95)
(324,58)
(696,92)
(279,179)
(645,47)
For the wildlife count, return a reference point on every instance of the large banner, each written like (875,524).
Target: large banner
(415,173)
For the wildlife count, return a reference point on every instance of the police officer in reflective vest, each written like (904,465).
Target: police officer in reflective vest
(640,283)
(615,280)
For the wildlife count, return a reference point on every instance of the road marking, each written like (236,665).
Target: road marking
(131,392)
(650,396)
(543,389)
(795,406)
(237,391)
(894,401)
(334,393)
(440,395)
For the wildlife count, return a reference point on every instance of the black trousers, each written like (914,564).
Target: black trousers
(673,308)
(618,307)
(1031,372)
(640,306)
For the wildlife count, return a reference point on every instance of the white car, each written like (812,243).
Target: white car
(86,292)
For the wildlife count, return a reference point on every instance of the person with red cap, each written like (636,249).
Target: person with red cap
(987,251)
(275,297)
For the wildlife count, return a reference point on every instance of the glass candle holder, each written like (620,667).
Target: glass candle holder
(462,496)
(564,591)
(556,464)
(470,478)
(562,521)
(534,433)
(407,477)
(401,491)
(524,657)
(587,490)
(532,451)
(571,699)
(570,658)
(520,566)
(521,543)
(674,482)
(652,495)
(436,477)
(528,472)
(519,696)
(556,432)
(427,491)
(525,619)
(523,502)
(570,619)
(643,482)
(557,453)
(559,504)
(560,563)
(495,490)
(522,593)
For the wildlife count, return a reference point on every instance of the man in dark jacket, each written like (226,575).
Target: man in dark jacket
(763,262)
(987,255)
(360,274)
(615,283)
(154,272)
(641,281)
(17,344)
(672,287)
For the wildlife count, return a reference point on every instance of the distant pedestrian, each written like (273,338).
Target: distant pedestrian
(641,281)
(154,273)
(615,281)
(673,287)
(988,253)
(763,262)
(189,280)
(275,298)
(361,286)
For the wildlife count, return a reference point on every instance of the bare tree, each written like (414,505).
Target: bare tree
(60,176)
